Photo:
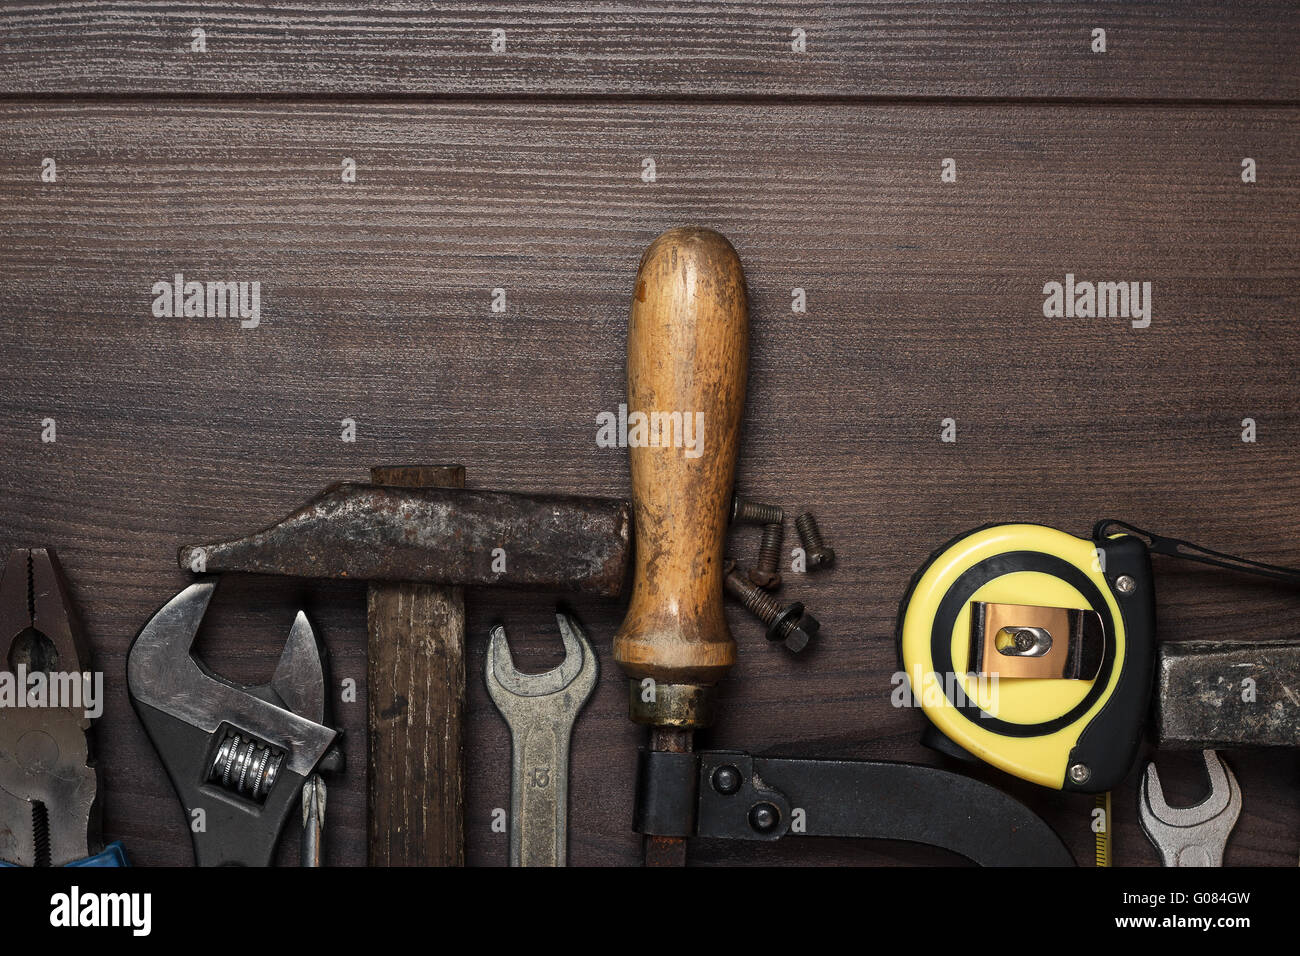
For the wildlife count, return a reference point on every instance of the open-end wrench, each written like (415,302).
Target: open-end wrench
(540,710)
(1195,835)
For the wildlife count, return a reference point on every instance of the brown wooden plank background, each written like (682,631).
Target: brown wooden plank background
(924,302)
(1198,49)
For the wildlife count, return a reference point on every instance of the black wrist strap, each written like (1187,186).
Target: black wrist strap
(1177,548)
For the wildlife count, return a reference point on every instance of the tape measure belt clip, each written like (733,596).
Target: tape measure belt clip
(1031,641)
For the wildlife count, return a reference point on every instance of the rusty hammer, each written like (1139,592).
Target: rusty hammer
(418,537)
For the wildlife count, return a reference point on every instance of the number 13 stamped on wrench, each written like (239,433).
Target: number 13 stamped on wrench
(540,710)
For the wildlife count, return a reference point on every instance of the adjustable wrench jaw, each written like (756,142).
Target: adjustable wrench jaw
(238,757)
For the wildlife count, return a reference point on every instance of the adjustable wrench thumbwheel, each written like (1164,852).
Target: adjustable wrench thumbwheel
(540,710)
(1195,835)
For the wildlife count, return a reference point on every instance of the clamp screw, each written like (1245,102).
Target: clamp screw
(726,780)
(814,548)
(1079,773)
(788,623)
(764,817)
(744,511)
(1125,584)
(765,574)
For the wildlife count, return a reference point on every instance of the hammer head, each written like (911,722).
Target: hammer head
(448,536)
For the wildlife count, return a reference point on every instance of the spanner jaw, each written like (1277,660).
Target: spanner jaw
(1195,835)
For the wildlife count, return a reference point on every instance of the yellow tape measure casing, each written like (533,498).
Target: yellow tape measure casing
(1078,731)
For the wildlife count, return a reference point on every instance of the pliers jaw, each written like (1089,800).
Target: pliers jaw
(49,785)
(35,603)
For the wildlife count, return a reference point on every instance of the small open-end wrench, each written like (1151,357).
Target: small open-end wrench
(540,710)
(1195,835)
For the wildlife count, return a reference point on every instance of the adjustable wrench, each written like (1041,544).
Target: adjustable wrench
(1195,835)
(238,757)
(540,710)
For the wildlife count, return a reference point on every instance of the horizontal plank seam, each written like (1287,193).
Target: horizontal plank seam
(619,99)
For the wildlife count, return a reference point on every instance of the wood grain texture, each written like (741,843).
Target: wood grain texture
(924,302)
(1200,49)
(415,680)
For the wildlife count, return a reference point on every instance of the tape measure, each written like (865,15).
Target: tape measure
(1101,828)
(1032,650)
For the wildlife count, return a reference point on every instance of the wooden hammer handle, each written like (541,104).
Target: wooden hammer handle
(687,362)
(416,710)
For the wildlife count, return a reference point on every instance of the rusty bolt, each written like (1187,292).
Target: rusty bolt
(765,573)
(744,511)
(814,548)
(788,623)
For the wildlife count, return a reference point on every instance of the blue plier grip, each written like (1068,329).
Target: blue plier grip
(112,855)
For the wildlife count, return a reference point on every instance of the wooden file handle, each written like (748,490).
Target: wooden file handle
(687,361)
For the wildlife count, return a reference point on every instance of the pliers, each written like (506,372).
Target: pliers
(49,783)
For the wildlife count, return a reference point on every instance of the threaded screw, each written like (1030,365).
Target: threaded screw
(765,573)
(744,511)
(756,601)
(814,548)
(788,623)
